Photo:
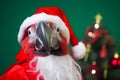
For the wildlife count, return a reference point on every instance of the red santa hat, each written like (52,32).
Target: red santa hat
(58,17)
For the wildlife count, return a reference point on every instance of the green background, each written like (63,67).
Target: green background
(80,14)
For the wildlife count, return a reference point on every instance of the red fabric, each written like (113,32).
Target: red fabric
(58,12)
(19,70)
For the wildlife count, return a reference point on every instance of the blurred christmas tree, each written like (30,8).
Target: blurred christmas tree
(102,55)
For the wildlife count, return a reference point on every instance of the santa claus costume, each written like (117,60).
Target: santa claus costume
(56,62)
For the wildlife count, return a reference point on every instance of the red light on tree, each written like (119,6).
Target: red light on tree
(114,62)
(118,62)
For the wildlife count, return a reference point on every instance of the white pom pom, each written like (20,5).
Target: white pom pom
(78,51)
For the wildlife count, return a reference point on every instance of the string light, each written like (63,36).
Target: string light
(90,34)
(119,62)
(114,62)
(116,56)
(93,71)
(96,26)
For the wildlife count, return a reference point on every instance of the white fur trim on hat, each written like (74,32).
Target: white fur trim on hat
(78,51)
(43,17)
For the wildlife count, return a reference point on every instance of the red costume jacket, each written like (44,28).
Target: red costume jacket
(18,71)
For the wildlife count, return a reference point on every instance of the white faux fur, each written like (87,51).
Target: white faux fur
(43,17)
(57,68)
(78,51)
